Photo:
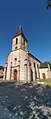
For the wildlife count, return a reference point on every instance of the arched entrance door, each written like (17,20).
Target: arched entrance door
(15,75)
(43,74)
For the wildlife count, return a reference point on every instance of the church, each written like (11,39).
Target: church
(21,65)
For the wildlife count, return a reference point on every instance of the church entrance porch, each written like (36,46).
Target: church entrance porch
(15,75)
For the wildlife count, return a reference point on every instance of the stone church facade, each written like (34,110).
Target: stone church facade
(21,65)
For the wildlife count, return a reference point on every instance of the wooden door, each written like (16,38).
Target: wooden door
(15,75)
(43,76)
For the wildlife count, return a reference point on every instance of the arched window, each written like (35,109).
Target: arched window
(24,42)
(16,40)
(34,65)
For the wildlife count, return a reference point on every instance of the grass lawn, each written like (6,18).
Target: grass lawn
(47,82)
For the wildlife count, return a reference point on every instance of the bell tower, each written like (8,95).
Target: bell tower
(19,41)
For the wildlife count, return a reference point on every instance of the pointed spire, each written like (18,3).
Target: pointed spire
(20,27)
(20,30)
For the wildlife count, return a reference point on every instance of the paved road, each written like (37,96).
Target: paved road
(24,101)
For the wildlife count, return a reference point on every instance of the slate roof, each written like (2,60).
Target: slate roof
(44,65)
(34,57)
(1,68)
(20,32)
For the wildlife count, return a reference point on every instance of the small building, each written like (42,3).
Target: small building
(21,65)
(45,70)
(1,72)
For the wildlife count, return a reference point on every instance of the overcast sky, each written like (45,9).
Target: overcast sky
(36,23)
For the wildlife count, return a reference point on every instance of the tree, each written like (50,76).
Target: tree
(48,4)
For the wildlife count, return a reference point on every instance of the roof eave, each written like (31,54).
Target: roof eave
(34,57)
(21,35)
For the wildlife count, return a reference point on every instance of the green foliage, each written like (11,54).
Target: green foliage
(48,4)
(50,65)
(47,82)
